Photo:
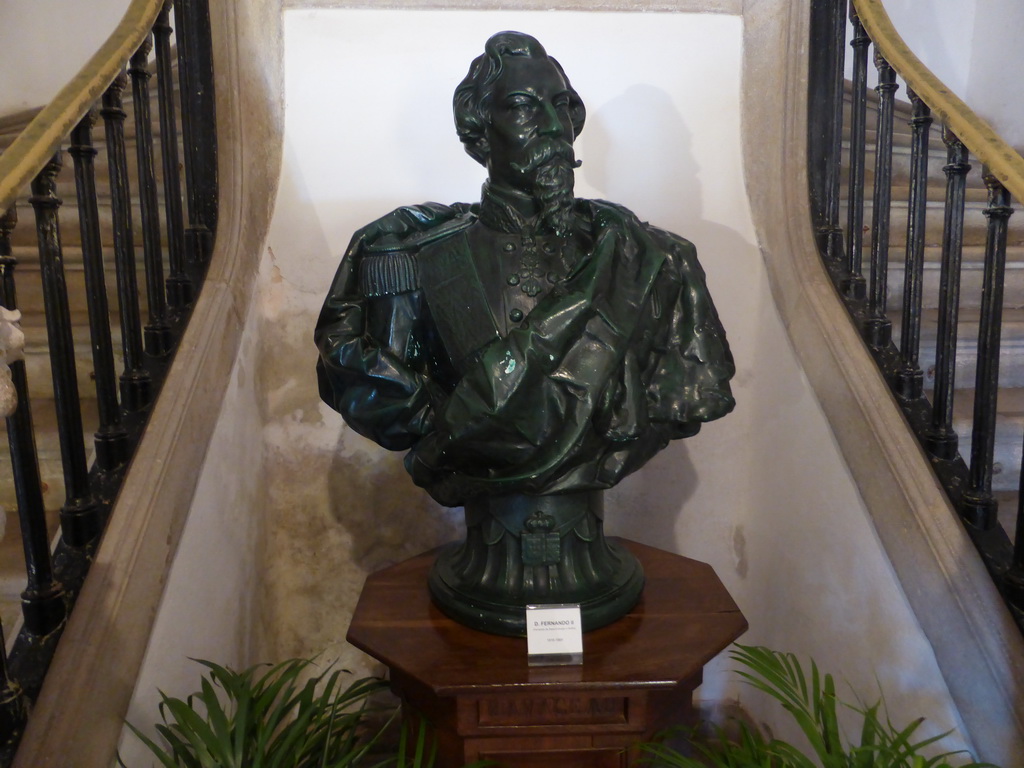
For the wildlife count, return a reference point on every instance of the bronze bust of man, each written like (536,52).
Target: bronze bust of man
(527,352)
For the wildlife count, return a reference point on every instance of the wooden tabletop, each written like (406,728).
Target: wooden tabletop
(684,618)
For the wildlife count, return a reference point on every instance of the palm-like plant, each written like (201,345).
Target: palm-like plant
(812,703)
(265,717)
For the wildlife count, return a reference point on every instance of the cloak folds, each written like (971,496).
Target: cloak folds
(622,355)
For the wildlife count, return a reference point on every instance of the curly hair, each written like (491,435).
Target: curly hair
(471,103)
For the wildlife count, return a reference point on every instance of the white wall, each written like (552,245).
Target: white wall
(997,59)
(208,609)
(974,48)
(762,495)
(940,35)
(43,43)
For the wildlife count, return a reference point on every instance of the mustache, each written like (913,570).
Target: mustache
(542,153)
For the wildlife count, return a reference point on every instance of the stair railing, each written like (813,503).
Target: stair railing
(865,289)
(174,243)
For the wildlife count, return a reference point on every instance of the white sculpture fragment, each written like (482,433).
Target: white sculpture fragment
(12,349)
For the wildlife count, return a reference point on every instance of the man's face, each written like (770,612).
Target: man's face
(529,122)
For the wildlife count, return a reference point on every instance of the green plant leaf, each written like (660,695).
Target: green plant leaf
(812,703)
(267,717)
(164,758)
(656,754)
(781,677)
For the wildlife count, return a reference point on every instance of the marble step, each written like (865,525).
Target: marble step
(901,153)
(1011,350)
(902,109)
(44,419)
(25,236)
(12,555)
(67,191)
(12,570)
(975,190)
(13,124)
(30,300)
(1008,439)
(975,223)
(972,274)
(12,563)
(28,280)
(37,361)
(1007,510)
(902,138)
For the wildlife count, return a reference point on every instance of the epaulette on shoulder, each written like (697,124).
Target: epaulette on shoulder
(387,274)
(388,267)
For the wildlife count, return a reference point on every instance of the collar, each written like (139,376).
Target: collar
(507,210)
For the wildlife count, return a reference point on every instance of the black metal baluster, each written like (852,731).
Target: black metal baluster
(79,517)
(198,117)
(854,285)
(978,507)
(54,580)
(111,439)
(878,327)
(1013,579)
(157,333)
(180,290)
(136,385)
(834,233)
(910,379)
(42,602)
(13,704)
(941,439)
(825,124)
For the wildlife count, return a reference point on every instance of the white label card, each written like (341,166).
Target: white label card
(554,634)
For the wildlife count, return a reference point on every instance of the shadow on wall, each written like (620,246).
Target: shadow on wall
(639,147)
(387,517)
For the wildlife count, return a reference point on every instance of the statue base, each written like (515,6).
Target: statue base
(535,550)
(484,702)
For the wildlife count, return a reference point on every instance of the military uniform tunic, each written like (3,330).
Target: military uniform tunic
(508,360)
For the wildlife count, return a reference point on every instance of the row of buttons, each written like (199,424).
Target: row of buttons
(548,248)
(513,279)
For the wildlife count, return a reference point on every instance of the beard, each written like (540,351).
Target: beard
(551,164)
(554,189)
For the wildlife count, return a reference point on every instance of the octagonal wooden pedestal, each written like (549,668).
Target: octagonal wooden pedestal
(485,702)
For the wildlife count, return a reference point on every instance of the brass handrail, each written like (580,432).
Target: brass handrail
(979,137)
(30,151)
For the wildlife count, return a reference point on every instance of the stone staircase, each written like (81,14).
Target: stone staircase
(1010,423)
(37,362)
